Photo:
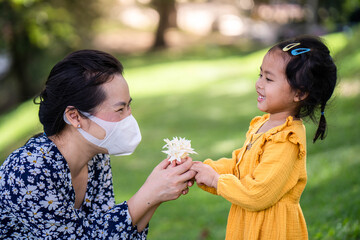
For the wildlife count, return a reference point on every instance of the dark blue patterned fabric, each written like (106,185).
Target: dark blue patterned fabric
(37,198)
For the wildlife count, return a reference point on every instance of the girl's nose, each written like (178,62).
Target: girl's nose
(258,83)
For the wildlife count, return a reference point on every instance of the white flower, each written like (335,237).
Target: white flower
(36,161)
(51,202)
(120,227)
(178,148)
(2,179)
(11,178)
(29,191)
(34,212)
(6,194)
(115,237)
(68,228)
(51,225)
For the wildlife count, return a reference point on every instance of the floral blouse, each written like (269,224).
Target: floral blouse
(37,198)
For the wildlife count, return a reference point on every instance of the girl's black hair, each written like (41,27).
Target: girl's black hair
(75,81)
(312,72)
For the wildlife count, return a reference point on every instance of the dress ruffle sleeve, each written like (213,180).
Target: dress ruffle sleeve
(221,166)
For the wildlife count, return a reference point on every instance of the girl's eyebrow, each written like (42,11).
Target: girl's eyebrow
(267,72)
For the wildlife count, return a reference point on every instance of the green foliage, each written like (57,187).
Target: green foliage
(210,101)
(30,28)
(349,64)
(43,21)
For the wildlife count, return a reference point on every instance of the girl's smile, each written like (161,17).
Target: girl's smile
(260,97)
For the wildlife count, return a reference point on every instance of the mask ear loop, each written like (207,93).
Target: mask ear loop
(85,134)
(68,122)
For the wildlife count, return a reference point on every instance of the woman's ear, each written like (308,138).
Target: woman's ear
(73,116)
(299,96)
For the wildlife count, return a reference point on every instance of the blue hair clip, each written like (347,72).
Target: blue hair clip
(322,113)
(296,51)
(299,51)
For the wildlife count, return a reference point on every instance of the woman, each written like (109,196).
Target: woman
(59,184)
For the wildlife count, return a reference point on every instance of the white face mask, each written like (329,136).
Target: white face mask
(121,137)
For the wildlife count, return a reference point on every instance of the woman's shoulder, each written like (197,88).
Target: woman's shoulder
(39,146)
(38,153)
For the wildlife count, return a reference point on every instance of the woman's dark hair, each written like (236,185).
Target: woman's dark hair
(75,81)
(312,71)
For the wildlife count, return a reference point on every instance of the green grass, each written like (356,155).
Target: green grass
(211,100)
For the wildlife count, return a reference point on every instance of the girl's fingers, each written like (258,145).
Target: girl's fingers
(196,166)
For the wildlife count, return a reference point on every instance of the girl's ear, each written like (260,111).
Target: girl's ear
(299,96)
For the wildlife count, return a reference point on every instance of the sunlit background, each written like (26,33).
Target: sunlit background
(32,29)
(191,66)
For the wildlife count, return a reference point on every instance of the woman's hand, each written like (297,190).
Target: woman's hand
(205,175)
(165,183)
(168,180)
(190,182)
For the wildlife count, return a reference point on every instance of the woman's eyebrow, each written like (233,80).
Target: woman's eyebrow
(123,103)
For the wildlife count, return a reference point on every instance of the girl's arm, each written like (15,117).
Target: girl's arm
(163,184)
(225,165)
(221,166)
(276,174)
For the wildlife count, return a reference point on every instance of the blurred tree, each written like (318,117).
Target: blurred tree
(32,27)
(336,13)
(332,13)
(167,11)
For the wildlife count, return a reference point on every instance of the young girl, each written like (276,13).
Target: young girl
(266,177)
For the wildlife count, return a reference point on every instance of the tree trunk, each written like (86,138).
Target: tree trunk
(20,49)
(311,17)
(165,8)
(20,52)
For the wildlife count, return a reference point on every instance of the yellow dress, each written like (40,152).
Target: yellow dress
(265,183)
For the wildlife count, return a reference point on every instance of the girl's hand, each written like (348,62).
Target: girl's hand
(167,183)
(205,175)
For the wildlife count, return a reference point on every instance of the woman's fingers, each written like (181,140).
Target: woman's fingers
(185,177)
(190,183)
(185,191)
(184,167)
(164,163)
